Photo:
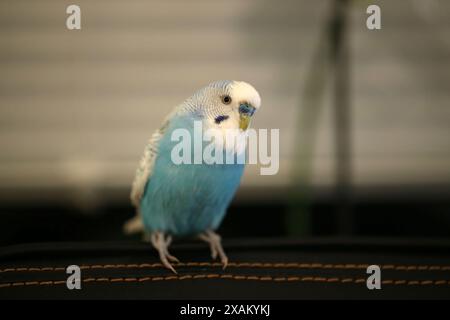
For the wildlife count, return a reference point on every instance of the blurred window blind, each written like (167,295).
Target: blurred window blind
(77,107)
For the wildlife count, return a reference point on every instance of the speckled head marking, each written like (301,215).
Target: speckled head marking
(225,104)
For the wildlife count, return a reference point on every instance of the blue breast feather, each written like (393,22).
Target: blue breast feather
(187,199)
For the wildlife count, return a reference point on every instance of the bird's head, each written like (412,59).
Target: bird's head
(228,104)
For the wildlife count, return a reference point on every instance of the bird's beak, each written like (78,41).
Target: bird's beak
(245,114)
(244,121)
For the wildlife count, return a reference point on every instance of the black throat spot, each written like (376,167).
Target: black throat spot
(219,119)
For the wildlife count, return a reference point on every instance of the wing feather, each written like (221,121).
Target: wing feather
(146,164)
(142,175)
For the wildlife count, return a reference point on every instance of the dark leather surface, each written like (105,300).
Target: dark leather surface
(259,269)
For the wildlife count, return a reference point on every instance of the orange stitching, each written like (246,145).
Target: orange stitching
(293,265)
(230,276)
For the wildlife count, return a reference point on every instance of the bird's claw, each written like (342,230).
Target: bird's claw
(213,252)
(224,261)
(215,246)
(165,261)
(172,258)
(161,244)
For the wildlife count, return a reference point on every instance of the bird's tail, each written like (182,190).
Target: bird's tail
(134,225)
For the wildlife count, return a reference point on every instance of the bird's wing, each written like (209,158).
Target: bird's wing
(143,174)
(145,168)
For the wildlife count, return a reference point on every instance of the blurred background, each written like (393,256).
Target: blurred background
(364,115)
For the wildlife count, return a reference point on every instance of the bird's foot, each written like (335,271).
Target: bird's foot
(161,243)
(215,244)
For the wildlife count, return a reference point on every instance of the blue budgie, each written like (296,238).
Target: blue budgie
(174,199)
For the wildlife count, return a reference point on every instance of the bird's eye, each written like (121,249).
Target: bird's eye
(226,99)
